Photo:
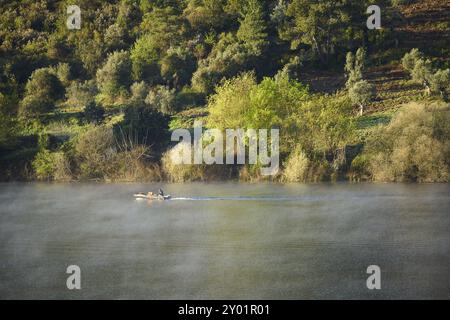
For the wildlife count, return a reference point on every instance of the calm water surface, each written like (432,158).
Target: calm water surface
(225,241)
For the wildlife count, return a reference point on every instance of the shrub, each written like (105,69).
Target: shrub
(359,168)
(63,73)
(79,94)
(243,103)
(296,167)
(177,67)
(413,147)
(227,58)
(51,166)
(179,172)
(132,164)
(144,125)
(175,172)
(99,155)
(421,72)
(43,165)
(95,150)
(94,113)
(8,129)
(325,126)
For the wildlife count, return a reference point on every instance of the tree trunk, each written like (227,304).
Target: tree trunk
(319,53)
(427,90)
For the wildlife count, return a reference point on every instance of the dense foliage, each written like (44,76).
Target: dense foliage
(103,97)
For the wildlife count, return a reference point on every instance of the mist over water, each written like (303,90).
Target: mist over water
(225,241)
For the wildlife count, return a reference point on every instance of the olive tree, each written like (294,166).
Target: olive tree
(362,93)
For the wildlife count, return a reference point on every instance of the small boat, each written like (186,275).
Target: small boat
(151,196)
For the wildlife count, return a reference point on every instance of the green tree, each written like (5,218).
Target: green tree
(439,82)
(177,67)
(8,125)
(227,58)
(204,15)
(320,24)
(162,99)
(252,29)
(422,73)
(139,91)
(362,93)
(114,77)
(326,125)
(145,57)
(354,66)
(229,107)
(42,91)
(143,124)
(410,59)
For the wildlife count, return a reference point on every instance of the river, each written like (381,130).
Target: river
(225,241)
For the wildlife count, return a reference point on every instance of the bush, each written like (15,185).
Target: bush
(144,57)
(63,73)
(243,103)
(95,151)
(143,124)
(413,147)
(99,155)
(132,164)
(227,58)
(191,172)
(296,167)
(93,113)
(177,67)
(51,166)
(80,94)
(359,168)
(179,172)
(8,129)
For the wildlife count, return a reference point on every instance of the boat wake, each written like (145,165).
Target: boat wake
(236,198)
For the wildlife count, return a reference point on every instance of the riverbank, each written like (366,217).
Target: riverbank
(412,147)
